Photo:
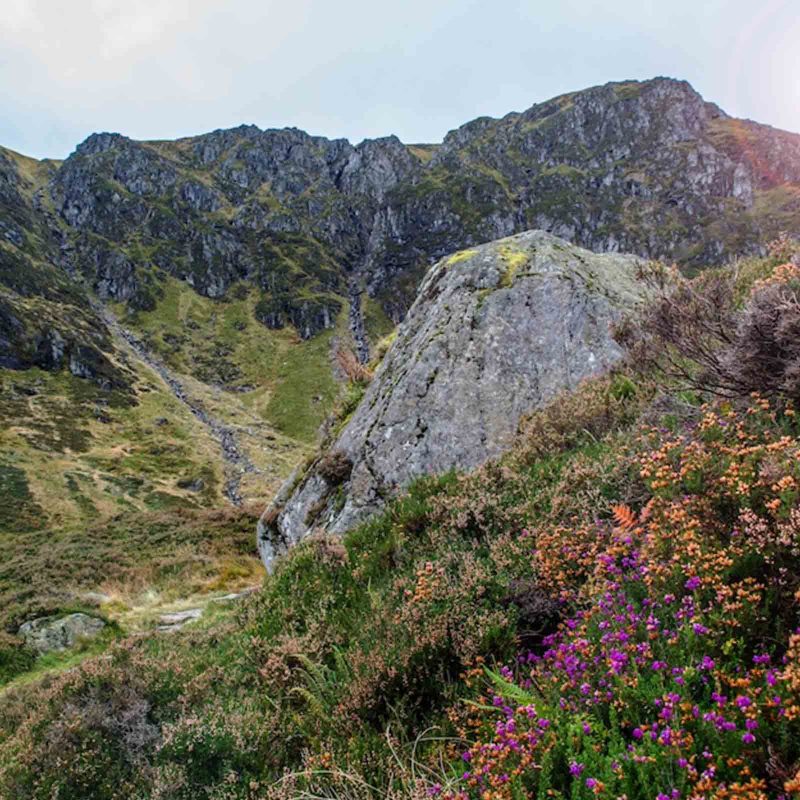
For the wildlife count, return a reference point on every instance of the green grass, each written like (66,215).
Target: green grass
(289,381)
(305,389)
(347,638)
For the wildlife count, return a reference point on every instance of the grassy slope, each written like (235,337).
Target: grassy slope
(328,683)
(288,381)
(117,492)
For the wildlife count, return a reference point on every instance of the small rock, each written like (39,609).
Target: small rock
(177,619)
(47,634)
(192,484)
(229,598)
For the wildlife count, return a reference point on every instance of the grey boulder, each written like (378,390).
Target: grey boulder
(47,634)
(495,332)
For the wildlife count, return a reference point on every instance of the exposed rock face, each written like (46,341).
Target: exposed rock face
(494,333)
(46,634)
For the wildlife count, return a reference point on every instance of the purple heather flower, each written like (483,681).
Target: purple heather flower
(748,738)
(707,663)
(637,733)
(575,768)
(693,583)
(771,679)
(591,783)
(587,728)
(743,702)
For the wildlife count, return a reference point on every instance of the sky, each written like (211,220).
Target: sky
(159,69)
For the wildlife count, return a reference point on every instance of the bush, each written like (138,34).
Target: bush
(352,368)
(766,354)
(596,408)
(701,335)
(335,467)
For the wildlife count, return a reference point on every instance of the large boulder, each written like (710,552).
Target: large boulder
(46,634)
(495,332)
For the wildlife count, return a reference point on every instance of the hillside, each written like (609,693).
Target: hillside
(609,609)
(520,407)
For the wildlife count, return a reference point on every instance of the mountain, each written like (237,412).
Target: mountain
(495,333)
(642,167)
(611,608)
(600,594)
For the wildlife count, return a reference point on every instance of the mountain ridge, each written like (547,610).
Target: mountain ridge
(381,211)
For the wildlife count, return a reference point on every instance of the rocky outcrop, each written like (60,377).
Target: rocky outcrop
(47,634)
(495,332)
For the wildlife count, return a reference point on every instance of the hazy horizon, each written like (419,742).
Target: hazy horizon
(356,70)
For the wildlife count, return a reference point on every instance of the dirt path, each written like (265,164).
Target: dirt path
(236,462)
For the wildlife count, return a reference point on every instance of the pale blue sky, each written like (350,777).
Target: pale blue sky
(365,68)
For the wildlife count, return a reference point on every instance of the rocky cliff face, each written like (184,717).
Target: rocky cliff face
(495,332)
(46,319)
(649,168)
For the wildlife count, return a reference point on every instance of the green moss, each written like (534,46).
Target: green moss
(457,258)
(513,260)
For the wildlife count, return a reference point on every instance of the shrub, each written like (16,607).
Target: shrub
(766,355)
(538,612)
(597,407)
(701,335)
(335,467)
(676,674)
(351,367)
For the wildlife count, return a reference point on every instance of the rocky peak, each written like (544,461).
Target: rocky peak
(376,166)
(99,143)
(495,332)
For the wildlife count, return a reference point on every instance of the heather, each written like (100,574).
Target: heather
(610,610)
(675,674)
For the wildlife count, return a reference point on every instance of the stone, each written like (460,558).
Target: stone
(48,634)
(177,619)
(496,332)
